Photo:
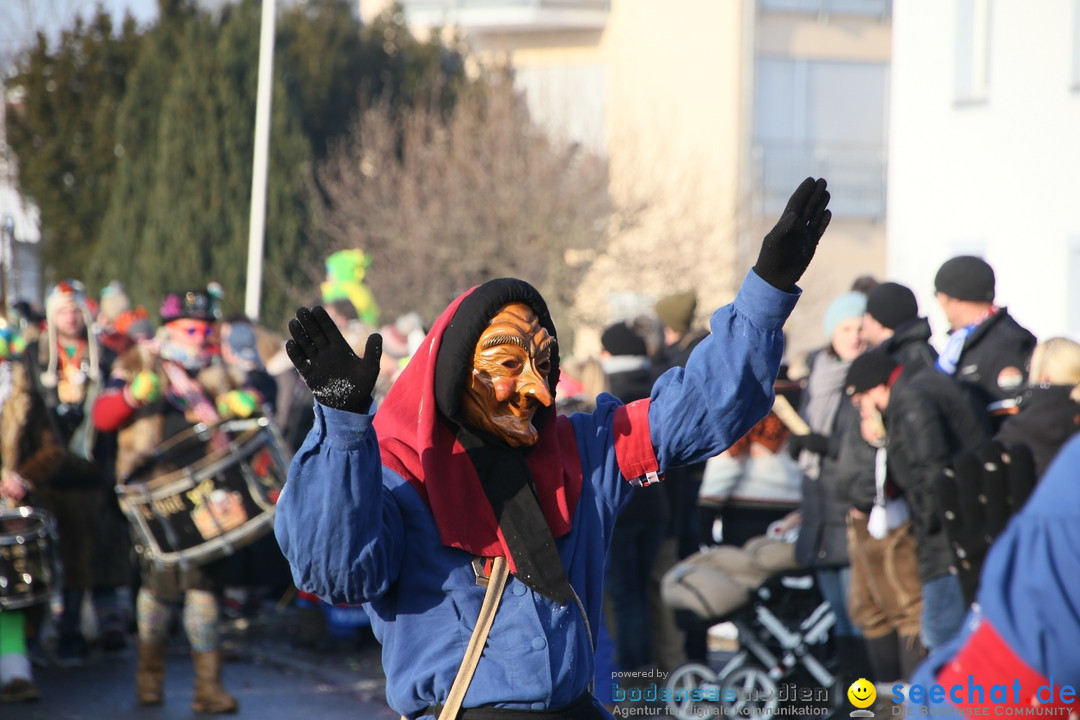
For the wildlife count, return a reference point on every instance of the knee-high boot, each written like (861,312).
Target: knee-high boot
(884,654)
(210,696)
(150,673)
(912,653)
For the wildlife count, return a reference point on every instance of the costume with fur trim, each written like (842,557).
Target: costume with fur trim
(355,529)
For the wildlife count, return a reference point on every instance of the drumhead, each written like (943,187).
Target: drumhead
(188,455)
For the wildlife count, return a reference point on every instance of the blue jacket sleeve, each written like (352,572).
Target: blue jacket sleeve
(337,525)
(727,385)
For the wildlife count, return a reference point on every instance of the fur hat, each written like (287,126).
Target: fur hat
(966,278)
(677,311)
(620,339)
(848,305)
(869,370)
(892,305)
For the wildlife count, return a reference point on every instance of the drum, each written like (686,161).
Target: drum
(206,492)
(28,562)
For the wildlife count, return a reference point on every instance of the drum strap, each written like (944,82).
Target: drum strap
(496,583)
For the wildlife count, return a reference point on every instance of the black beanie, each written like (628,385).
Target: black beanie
(869,370)
(892,305)
(966,278)
(620,339)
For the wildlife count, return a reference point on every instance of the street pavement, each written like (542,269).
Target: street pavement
(271,673)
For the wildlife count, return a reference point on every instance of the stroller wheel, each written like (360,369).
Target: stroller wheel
(693,692)
(755,693)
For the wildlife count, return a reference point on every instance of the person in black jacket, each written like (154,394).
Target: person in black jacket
(642,523)
(1048,410)
(987,349)
(822,540)
(885,596)
(929,419)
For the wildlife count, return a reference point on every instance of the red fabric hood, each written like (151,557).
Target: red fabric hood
(418,444)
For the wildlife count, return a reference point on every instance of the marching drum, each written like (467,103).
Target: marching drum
(28,563)
(206,492)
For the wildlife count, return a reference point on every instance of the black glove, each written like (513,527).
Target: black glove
(788,248)
(813,442)
(977,497)
(337,378)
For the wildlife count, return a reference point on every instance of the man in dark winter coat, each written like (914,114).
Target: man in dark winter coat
(987,348)
(929,420)
(885,596)
(642,522)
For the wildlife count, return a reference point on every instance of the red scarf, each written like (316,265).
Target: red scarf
(416,443)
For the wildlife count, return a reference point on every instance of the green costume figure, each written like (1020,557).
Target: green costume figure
(345,272)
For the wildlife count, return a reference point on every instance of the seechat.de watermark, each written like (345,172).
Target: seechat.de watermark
(973,698)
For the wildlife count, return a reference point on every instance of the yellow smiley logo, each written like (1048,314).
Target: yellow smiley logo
(862,693)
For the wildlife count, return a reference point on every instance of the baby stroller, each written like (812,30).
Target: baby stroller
(784,655)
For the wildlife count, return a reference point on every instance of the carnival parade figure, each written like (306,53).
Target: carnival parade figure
(158,390)
(465,473)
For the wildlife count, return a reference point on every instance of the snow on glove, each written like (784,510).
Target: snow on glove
(337,377)
(788,248)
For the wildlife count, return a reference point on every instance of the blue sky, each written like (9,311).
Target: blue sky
(22,18)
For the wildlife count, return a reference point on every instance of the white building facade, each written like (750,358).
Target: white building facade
(985,152)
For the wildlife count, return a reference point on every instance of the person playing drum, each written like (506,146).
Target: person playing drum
(465,469)
(16,673)
(157,390)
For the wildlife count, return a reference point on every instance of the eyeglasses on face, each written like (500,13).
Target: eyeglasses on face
(195,330)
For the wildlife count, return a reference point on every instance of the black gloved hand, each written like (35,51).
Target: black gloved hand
(977,497)
(814,442)
(337,377)
(788,248)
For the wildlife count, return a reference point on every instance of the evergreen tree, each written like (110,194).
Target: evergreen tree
(63,133)
(137,131)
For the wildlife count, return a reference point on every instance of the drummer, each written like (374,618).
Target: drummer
(156,391)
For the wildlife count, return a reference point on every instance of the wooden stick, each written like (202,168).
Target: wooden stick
(788,415)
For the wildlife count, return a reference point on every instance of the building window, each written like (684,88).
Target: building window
(1072,285)
(1075,46)
(566,100)
(826,119)
(972,50)
(866,8)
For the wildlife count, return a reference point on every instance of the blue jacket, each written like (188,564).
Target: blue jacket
(354,531)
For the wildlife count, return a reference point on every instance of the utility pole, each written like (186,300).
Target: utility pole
(257,226)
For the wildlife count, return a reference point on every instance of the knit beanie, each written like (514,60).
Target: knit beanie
(966,278)
(620,339)
(869,370)
(65,292)
(677,311)
(848,305)
(114,301)
(892,305)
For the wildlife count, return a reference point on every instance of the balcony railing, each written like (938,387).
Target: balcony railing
(857,176)
(865,8)
(509,15)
